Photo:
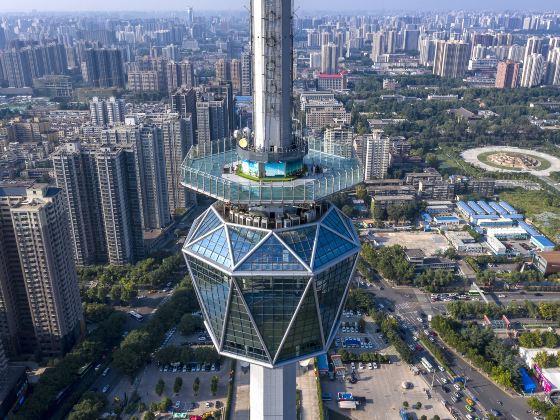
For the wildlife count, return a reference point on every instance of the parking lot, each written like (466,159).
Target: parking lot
(384,394)
(185,400)
(352,337)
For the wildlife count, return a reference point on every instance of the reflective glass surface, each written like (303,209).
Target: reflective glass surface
(304,335)
(272,302)
(214,247)
(243,240)
(241,337)
(329,247)
(271,256)
(300,241)
(331,285)
(213,287)
(333,221)
(211,221)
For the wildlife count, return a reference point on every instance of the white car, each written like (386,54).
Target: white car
(374,365)
(370,366)
(105,389)
(457,387)
(441,368)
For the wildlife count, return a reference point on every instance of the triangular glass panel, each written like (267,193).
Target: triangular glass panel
(213,287)
(333,221)
(214,247)
(271,256)
(330,285)
(241,337)
(272,302)
(243,240)
(304,336)
(300,241)
(211,221)
(329,247)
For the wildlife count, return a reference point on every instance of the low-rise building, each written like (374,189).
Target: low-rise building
(392,200)
(421,262)
(464,243)
(507,233)
(547,262)
(496,246)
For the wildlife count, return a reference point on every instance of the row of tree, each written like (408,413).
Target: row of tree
(134,351)
(482,348)
(536,339)
(461,310)
(366,357)
(186,354)
(390,261)
(122,283)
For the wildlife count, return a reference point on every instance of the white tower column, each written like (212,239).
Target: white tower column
(273,393)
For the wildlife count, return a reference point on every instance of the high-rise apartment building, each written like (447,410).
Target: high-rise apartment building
(553,67)
(451,58)
(410,38)
(339,140)
(120,204)
(180,74)
(109,111)
(236,76)
(427,47)
(15,68)
(246,73)
(391,41)
(223,70)
(178,137)
(533,70)
(3,363)
(141,81)
(41,227)
(377,46)
(534,45)
(104,68)
(507,75)
(15,317)
(75,173)
(377,158)
(183,102)
(329,58)
(211,118)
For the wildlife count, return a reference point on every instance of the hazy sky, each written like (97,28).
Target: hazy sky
(123,5)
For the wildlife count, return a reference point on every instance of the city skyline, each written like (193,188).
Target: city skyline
(307,6)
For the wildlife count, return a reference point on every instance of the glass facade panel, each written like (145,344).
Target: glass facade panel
(214,247)
(240,336)
(330,247)
(304,335)
(211,221)
(243,240)
(272,302)
(271,256)
(333,221)
(300,241)
(330,285)
(213,287)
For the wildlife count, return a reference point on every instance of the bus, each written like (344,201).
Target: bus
(427,364)
(136,316)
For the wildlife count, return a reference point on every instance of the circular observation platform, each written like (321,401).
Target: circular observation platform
(212,169)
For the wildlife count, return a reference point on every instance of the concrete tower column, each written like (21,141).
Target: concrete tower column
(273,393)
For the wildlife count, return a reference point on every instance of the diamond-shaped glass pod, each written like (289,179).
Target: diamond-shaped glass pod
(272,297)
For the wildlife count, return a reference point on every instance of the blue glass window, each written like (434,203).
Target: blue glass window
(214,247)
(304,336)
(300,241)
(272,302)
(271,256)
(210,222)
(330,285)
(213,287)
(241,337)
(243,240)
(329,247)
(333,221)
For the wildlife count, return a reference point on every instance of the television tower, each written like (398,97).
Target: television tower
(272,259)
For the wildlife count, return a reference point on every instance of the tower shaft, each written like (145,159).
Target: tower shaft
(272,41)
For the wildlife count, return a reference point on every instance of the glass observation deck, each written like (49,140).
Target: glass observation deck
(210,169)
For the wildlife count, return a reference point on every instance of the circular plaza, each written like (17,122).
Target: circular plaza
(511,159)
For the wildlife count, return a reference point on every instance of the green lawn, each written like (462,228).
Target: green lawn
(541,207)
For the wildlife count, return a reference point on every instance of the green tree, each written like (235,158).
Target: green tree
(196,386)
(165,404)
(189,323)
(405,404)
(177,384)
(89,408)
(214,385)
(160,385)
